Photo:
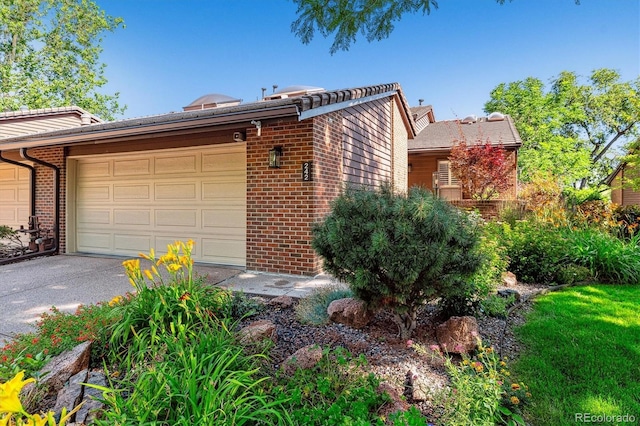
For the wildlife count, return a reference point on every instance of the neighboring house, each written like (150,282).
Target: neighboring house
(621,193)
(15,185)
(244,181)
(429,151)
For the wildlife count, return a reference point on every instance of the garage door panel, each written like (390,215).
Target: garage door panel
(8,216)
(176,191)
(8,195)
(222,249)
(178,164)
(94,192)
(218,190)
(14,195)
(94,169)
(95,242)
(93,217)
(177,218)
(183,194)
(132,243)
(141,192)
(132,217)
(232,218)
(131,167)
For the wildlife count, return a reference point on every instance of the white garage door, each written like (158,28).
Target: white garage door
(130,203)
(14,195)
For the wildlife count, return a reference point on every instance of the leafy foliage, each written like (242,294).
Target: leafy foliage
(374,19)
(335,392)
(49,55)
(482,168)
(628,218)
(208,378)
(571,128)
(398,251)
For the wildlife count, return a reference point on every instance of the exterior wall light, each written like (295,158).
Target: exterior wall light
(275,154)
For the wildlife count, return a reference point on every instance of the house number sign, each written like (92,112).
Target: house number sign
(307,176)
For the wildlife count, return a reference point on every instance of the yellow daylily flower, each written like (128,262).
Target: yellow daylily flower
(4,421)
(9,394)
(174,267)
(148,274)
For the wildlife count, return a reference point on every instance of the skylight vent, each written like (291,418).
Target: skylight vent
(293,91)
(469,119)
(212,100)
(495,116)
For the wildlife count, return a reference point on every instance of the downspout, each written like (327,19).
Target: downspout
(56,189)
(32,182)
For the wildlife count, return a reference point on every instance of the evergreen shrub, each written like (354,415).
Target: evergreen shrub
(398,251)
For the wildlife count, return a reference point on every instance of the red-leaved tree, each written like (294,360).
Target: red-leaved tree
(484,169)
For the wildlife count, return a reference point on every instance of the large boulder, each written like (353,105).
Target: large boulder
(61,368)
(304,358)
(458,335)
(509,279)
(258,331)
(349,311)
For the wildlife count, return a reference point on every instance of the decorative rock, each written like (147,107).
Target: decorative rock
(398,403)
(349,311)
(60,369)
(509,279)
(304,358)
(87,413)
(283,302)
(258,331)
(71,394)
(458,334)
(508,292)
(414,387)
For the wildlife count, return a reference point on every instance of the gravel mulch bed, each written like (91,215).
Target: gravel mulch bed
(389,357)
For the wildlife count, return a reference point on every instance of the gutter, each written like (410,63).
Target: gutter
(104,132)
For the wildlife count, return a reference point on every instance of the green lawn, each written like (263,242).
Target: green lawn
(583,355)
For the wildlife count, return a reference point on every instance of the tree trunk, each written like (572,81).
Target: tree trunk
(406,323)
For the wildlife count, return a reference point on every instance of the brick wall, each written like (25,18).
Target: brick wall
(45,190)
(280,206)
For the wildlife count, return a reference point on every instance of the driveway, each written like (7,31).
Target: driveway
(31,287)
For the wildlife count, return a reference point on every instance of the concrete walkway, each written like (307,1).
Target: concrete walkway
(31,287)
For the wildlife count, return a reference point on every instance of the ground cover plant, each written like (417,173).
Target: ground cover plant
(582,355)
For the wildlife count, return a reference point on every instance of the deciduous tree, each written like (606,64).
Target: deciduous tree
(482,168)
(49,55)
(571,129)
(346,18)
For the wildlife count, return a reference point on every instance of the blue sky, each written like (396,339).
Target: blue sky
(171,52)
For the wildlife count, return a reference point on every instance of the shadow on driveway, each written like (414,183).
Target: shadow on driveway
(31,287)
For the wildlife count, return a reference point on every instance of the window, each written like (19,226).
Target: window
(445,176)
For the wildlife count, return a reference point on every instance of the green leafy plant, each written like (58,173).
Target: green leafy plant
(181,307)
(398,251)
(482,391)
(609,258)
(537,251)
(334,392)
(496,305)
(628,218)
(464,299)
(208,379)
(58,331)
(313,308)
